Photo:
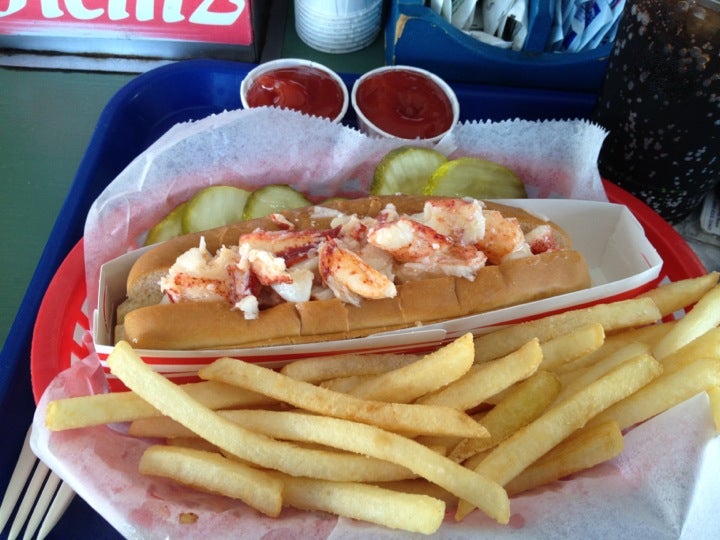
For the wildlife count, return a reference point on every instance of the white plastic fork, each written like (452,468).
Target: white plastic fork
(44,495)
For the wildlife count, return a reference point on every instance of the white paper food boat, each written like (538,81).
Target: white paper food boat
(622,263)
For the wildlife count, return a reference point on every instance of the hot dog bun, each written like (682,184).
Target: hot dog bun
(149,324)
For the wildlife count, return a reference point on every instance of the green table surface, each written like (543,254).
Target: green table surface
(47,119)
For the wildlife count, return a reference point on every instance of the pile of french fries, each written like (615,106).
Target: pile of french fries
(396,439)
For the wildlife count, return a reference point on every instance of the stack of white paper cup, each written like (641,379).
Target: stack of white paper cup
(338,26)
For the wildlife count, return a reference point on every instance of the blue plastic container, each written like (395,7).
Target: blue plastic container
(416,35)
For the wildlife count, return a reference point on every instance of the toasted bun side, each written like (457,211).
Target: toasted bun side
(206,325)
(524,280)
(142,280)
(213,326)
(145,292)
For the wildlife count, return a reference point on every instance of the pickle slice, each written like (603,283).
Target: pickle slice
(475,177)
(271,199)
(405,169)
(331,200)
(214,206)
(169,227)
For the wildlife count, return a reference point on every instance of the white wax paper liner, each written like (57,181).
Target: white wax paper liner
(255,147)
(663,486)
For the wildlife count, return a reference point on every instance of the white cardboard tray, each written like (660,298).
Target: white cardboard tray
(621,259)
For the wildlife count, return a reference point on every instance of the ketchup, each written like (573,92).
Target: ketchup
(301,88)
(405,104)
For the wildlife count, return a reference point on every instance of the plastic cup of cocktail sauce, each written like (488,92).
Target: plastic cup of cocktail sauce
(404,102)
(297,84)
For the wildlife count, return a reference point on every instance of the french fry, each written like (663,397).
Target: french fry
(714,396)
(433,371)
(290,459)
(212,472)
(371,441)
(704,316)
(677,295)
(523,404)
(340,466)
(582,450)
(345,384)
(398,417)
(474,461)
(420,486)
(649,335)
(115,407)
(666,391)
(194,442)
(612,316)
(517,452)
(575,380)
(572,345)
(487,379)
(438,443)
(325,368)
(159,427)
(704,346)
(410,512)
(237,441)
(556,393)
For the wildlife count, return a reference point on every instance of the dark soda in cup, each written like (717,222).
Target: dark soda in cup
(660,102)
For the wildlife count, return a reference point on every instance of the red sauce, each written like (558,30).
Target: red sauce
(405,104)
(301,88)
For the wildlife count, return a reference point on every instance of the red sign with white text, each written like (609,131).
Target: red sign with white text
(209,21)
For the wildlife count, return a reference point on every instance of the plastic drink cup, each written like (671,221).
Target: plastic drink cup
(660,102)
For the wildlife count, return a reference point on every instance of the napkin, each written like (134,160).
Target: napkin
(663,486)
(250,148)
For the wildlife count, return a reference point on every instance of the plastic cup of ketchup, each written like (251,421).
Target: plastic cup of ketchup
(404,102)
(297,84)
